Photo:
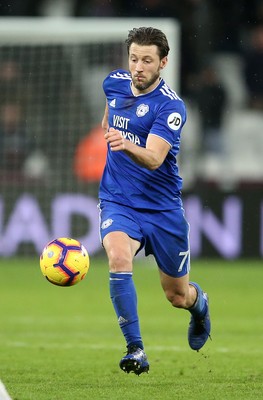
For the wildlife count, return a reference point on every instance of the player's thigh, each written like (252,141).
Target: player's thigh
(120,235)
(118,218)
(168,240)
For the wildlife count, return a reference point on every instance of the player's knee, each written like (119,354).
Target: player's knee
(177,300)
(118,261)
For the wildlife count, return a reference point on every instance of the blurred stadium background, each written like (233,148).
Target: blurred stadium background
(54,56)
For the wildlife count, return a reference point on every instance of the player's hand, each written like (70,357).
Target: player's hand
(115,139)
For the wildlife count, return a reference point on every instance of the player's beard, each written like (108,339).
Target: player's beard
(142,86)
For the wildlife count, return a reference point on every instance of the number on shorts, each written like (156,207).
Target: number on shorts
(184,254)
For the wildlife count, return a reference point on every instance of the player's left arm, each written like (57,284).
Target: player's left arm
(151,156)
(104,122)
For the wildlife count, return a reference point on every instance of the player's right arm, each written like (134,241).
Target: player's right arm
(151,157)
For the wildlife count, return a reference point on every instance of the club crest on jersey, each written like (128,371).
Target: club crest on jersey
(142,109)
(174,121)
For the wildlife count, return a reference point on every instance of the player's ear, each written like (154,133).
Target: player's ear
(163,62)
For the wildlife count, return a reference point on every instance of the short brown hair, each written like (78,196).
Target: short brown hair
(147,36)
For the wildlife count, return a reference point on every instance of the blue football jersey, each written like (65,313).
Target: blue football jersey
(160,112)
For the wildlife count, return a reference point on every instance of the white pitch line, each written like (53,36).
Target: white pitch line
(175,349)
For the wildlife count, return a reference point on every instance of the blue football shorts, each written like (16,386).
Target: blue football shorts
(164,234)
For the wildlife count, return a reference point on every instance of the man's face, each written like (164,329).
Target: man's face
(145,66)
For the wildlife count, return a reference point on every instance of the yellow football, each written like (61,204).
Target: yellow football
(64,262)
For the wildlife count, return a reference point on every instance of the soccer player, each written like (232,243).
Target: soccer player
(140,192)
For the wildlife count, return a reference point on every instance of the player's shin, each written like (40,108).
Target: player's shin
(124,299)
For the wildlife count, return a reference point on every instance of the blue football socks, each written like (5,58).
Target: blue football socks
(124,299)
(200,306)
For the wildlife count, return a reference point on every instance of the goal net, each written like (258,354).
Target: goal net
(51,105)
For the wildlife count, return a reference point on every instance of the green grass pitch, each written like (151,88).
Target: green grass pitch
(65,344)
